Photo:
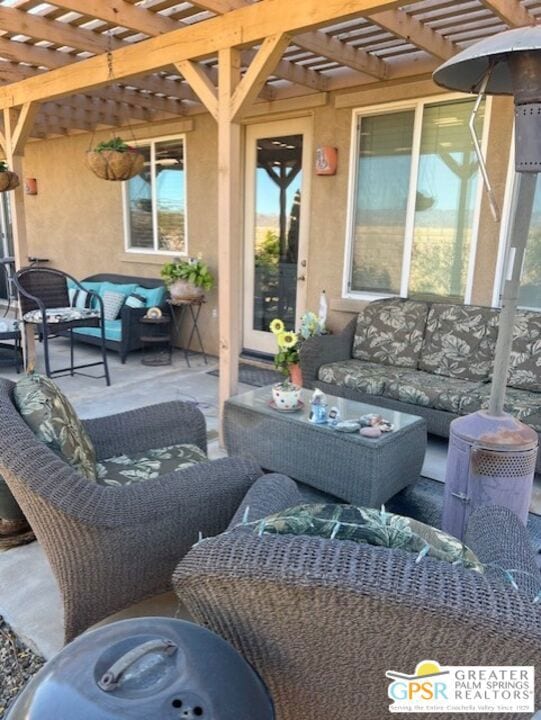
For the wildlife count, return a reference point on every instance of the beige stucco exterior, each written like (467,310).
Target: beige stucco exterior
(77,220)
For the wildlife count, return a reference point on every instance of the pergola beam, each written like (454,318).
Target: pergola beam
(201,84)
(240,28)
(422,36)
(511,12)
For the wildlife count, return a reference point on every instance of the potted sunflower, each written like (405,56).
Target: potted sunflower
(8,180)
(115,160)
(289,343)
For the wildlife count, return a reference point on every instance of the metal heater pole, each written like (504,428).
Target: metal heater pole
(518,230)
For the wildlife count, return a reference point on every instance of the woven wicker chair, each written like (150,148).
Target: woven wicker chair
(323,620)
(110,547)
(46,289)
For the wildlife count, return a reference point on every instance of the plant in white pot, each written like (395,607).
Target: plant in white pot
(187,279)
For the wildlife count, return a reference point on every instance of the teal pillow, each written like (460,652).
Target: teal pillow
(117,288)
(369,526)
(154,296)
(51,417)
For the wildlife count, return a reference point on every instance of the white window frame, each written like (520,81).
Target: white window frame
(417,105)
(126,203)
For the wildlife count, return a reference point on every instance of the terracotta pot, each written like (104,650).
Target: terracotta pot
(286,397)
(295,374)
(8,181)
(114,165)
(184,290)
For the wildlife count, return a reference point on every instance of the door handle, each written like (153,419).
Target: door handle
(301,278)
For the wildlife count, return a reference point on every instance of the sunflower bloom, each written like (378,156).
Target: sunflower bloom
(277,326)
(287,340)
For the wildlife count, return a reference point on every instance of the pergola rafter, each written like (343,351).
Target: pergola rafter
(511,12)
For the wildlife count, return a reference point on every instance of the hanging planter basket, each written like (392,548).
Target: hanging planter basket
(8,180)
(114,164)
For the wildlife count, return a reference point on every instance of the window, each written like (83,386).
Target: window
(415,200)
(155,200)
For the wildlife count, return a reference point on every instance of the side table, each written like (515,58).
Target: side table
(193,307)
(155,335)
(10,343)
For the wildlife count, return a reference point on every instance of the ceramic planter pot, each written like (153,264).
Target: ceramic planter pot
(184,290)
(286,397)
(8,181)
(115,165)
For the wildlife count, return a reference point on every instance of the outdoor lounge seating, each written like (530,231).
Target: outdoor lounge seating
(432,360)
(323,620)
(110,547)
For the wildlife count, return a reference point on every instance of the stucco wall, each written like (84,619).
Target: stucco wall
(76,219)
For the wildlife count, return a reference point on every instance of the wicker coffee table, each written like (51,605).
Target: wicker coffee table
(356,469)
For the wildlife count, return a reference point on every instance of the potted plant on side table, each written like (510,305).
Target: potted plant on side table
(187,279)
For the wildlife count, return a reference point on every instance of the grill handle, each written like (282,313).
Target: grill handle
(111,678)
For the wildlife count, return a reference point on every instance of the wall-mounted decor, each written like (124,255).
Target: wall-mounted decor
(326,160)
(30,186)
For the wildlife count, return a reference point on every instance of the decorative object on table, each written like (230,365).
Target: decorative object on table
(115,160)
(371,431)
(187,279)
(286,396)
(146,668)
(375,421)
(326,160)
(318,408)
(334,416)
(156,340)
(8,179)
(154,313)
(179,308)
(347,426)
(289,344)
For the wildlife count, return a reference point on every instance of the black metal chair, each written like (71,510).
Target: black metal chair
(45,303)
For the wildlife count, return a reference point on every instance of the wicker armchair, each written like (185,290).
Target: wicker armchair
(110,547)
(323,620)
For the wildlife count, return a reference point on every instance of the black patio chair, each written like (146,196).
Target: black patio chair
(45,303)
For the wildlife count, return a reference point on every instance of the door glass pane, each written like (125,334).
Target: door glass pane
(170,200)
(445,202)
(383,177)
(140,206)
(276,237)
(530,288)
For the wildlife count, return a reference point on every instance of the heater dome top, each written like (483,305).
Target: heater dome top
(466,71)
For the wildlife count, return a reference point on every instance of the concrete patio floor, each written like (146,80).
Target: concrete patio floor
(29,598)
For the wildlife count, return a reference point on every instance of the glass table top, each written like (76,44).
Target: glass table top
(260,400)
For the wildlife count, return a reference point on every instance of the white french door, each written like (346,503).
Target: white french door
(277,186)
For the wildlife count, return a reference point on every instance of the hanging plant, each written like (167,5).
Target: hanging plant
(8,180)
(115,160)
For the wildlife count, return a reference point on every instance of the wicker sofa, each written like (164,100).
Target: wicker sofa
(432,360)
(110,547)
(122,335)
(323,620)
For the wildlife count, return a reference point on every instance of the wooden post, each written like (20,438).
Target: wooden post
(229,224)
(17,127)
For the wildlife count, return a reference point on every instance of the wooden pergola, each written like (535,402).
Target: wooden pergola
(79,65)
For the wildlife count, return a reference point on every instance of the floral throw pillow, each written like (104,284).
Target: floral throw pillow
(372,527)
(53,420)
(390,332)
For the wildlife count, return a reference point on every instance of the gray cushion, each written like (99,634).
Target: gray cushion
(434,391)
(390,332)
(522,404)
(112,302)
(525,370)
(460,341)
(53,420)
(147,465)
(365,377)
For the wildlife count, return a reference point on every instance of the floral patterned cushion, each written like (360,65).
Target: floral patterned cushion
(125,470)
(460,341)
(54,421)
(525,370)
(522,404)
(433,391)
(61,315)
(390,332)
(369,526)
(370,378)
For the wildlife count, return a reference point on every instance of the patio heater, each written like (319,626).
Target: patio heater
(492,455)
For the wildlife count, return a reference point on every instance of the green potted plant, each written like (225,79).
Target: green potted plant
(187,279)
(8,180)
(115,160)
(289,344)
